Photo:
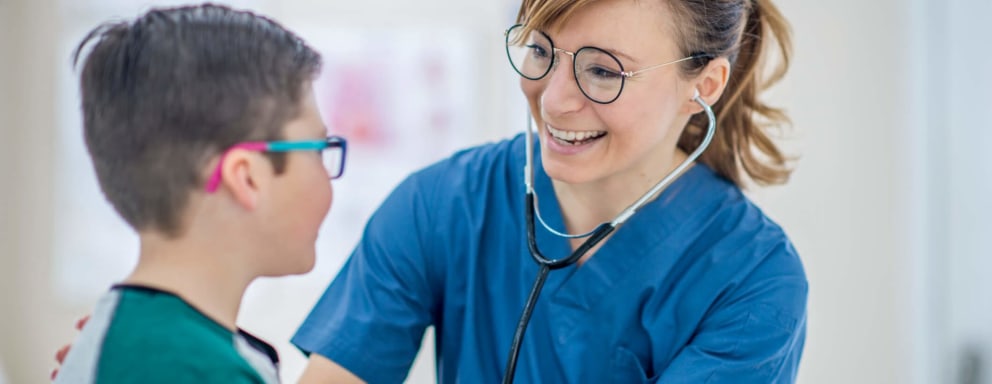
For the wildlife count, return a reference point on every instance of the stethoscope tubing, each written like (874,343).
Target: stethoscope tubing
(546,265)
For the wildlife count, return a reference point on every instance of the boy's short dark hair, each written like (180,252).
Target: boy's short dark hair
(165,93)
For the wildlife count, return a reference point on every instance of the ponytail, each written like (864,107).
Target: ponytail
(742,147)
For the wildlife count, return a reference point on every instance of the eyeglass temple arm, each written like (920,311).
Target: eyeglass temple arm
(635,73)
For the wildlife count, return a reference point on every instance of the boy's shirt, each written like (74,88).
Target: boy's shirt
(144,335)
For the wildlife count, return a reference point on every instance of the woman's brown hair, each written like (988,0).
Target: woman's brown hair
(744,32)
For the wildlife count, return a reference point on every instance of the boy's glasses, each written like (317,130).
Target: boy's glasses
(333,150)
(598,73)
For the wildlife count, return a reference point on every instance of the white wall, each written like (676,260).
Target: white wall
(964,122)
(891,100)
(6,218)
(847,207)
(891,106)
(32,323)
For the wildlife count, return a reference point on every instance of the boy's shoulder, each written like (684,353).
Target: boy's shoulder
(140,334)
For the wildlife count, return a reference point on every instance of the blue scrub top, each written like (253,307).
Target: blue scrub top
(697,287)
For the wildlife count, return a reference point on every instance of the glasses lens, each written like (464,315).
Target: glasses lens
(531,55)
(334,161)
(599,74)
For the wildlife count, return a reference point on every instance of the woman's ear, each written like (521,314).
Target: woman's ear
(710,83)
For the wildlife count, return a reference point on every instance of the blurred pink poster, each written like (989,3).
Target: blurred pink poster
(408,93)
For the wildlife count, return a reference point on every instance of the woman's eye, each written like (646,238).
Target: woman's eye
(603,73)
(537,50)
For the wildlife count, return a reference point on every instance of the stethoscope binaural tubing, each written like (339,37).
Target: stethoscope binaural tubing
(545,265)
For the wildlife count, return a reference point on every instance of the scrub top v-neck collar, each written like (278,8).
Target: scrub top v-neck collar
(582,286)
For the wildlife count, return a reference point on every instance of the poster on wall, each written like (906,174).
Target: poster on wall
(405,92)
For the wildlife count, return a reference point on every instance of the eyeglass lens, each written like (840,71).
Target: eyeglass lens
(597,72)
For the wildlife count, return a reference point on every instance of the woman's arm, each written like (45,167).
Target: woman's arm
(321,370)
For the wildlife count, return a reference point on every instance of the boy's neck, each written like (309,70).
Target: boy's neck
(204,275)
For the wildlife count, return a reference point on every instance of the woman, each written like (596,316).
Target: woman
(697,286)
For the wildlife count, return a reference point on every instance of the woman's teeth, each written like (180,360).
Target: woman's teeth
(573,137)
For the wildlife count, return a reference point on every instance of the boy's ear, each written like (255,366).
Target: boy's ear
(242,175)
(710,83)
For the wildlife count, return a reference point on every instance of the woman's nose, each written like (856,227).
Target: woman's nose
(561,94)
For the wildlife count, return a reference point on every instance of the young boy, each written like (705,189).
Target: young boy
(204,133)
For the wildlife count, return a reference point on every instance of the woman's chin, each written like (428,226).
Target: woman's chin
(564,173)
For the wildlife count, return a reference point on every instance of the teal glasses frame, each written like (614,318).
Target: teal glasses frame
(333,154)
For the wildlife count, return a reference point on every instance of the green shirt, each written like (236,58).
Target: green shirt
(144,335)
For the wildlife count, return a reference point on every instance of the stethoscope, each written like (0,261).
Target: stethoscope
(594,237)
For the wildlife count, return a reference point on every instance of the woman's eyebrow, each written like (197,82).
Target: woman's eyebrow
(613,51)
(620,53)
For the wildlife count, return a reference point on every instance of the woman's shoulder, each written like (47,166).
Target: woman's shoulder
(731,219)
(734,244)
(479,166)
(486,155)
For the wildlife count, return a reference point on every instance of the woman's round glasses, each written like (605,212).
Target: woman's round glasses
(598,73)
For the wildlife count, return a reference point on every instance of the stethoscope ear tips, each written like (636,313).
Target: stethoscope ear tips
(695,96)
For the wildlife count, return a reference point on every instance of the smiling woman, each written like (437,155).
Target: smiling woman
(699,285)
(742,150)
(893,240)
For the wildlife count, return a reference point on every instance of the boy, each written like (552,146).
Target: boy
(205,136)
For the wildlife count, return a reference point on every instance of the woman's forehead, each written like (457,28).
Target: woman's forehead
(625,26)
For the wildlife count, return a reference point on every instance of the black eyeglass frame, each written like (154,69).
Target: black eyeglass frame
(575,73)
